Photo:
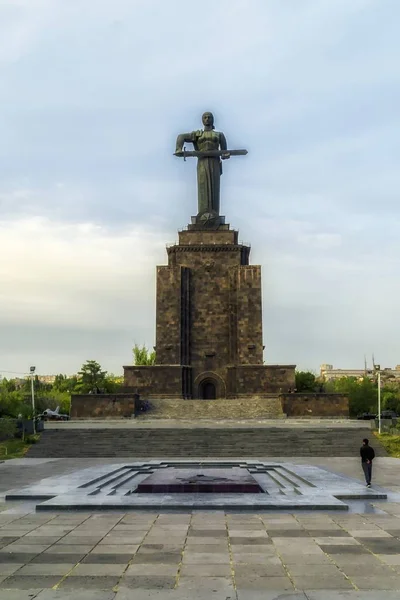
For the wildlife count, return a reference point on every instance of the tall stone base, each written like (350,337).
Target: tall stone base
(209,324)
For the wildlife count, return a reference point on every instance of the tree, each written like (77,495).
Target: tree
(362,393)
(142,356)
(305,381)
(113,384)
(12,400)
(390,395)
(63,383)
(91,377)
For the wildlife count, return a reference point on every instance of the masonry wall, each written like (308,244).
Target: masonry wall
(87,406)
(209,306)
(258,408)
(168,316)
(155,380)
(258,380)
(249,316)
(315,405)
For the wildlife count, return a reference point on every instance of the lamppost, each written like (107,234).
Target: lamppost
(378,370)
(32,370)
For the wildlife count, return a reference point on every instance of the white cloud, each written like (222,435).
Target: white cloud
(76,275)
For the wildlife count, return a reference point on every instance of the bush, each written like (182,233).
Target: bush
(8,428)
(31,439)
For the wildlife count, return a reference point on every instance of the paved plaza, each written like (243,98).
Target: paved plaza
(112,555)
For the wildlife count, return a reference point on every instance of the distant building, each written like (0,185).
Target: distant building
(47,378)
(329,373)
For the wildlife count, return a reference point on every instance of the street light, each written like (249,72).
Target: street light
(378,369)
(32,370)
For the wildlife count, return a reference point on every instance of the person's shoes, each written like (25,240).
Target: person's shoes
(368,485)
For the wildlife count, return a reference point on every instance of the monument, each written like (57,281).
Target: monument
(209,341)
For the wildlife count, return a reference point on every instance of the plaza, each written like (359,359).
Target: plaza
(196,552)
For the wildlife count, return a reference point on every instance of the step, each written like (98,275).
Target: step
(201,442)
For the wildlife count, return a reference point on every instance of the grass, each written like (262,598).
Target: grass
(16,448)
(390,442)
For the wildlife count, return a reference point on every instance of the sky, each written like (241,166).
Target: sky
(93,94)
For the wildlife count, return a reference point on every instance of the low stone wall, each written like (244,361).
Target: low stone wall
(110,406)
(315,405)
(102,406)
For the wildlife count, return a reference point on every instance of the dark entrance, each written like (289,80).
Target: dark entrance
(207,390)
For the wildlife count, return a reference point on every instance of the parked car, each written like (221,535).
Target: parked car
(366,416)
(389,414)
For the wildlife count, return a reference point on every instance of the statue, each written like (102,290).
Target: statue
(209,148)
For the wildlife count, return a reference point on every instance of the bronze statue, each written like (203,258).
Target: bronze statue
(209,147)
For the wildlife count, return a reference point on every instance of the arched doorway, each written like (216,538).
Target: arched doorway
(214,391)
(207,390)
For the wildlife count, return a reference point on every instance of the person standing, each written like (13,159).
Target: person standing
(367,454)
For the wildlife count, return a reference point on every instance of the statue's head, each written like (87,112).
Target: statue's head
(208,120)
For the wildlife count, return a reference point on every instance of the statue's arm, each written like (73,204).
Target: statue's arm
(224,146)
(182,138)
(222,142)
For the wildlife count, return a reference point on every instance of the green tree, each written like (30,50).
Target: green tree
(114,384)
(142,356)
(12,400)
(362,393)
(306,381)
(390,394)
(63,383)
(91,378)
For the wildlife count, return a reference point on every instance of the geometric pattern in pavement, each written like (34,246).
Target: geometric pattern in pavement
(283,486)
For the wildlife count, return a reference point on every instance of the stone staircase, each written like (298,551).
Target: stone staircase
(202,442)
(267,407)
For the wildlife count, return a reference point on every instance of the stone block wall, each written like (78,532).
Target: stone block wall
(155,380)
(168,317)
(259,380)
(254,408)
(91,406)
(315,405)
(201,237)
(249,320)
(209,306)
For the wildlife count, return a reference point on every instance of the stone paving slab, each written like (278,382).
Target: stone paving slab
(77,595)
(26,582)
(20,594)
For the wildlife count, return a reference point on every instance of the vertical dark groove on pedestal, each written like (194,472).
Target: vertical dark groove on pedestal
(185,332)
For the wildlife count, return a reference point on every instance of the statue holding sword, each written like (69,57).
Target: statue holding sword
(209,148)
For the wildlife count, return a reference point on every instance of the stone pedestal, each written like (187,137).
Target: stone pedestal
(209,323)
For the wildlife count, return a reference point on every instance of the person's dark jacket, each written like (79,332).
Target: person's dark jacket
(367,453)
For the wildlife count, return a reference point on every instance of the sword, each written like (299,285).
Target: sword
(209,154)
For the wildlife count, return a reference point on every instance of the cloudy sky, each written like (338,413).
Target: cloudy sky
(92,96)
